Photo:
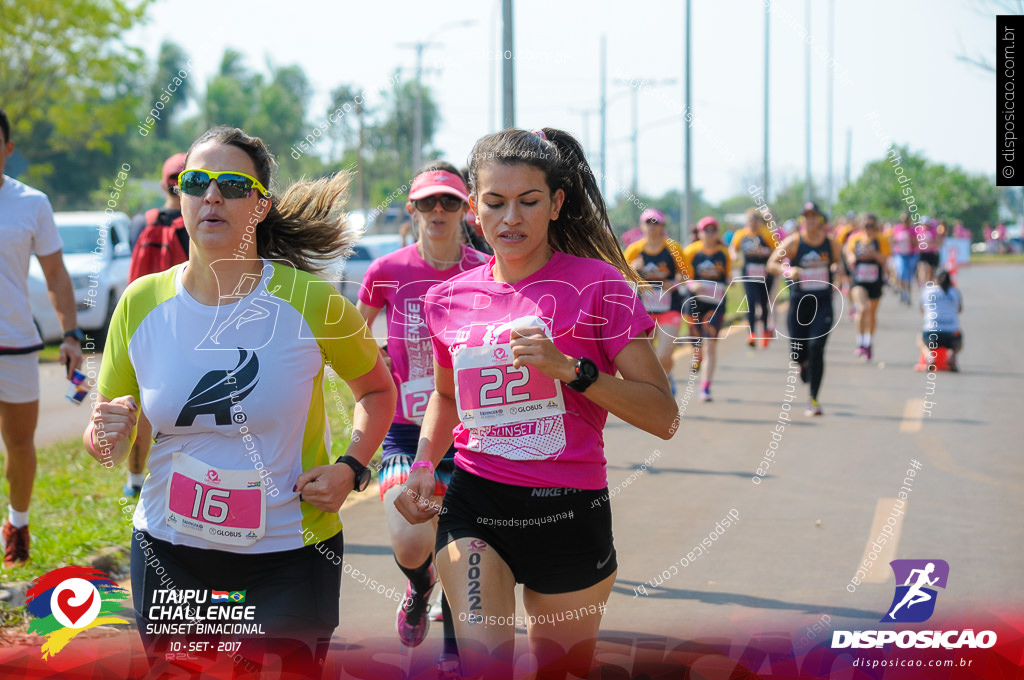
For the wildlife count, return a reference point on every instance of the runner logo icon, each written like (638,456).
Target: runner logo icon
(914,600)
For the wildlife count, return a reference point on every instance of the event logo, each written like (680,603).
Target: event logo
(913,601)
(69,600)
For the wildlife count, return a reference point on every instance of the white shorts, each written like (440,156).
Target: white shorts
(19,378)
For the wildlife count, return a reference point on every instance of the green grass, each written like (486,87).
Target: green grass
(78,506)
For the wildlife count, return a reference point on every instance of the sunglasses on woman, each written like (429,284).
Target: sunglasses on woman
(230,184)
(448,202)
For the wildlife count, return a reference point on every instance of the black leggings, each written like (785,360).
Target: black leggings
(810,322)
(758,297)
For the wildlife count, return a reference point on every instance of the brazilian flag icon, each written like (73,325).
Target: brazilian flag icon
(237,596)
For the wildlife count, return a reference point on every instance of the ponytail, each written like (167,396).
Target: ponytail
(306,226)
(944,280)
(582,227)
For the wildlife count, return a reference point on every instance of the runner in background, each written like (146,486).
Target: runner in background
(659,261)
(842,234)
(526,353)
(754,243)
(168,216)
(866,252)
(928,242)
(904,255)
(708,260)
(398,282)
(810,260)
(26,228)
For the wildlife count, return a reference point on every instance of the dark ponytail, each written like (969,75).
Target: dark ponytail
(582,228)
(943,279)
(306,226)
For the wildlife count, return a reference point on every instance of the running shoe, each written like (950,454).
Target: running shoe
(951,362)
(131,491)
(705,394)
(859,351)
(813,408)
(448,667)
(766,337)
(15,545)
(751,340)
(867,353)
(436,610)
(412,621)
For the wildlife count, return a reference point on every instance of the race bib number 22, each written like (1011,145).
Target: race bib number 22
(489,390)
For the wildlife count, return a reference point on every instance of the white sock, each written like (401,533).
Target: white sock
(17,519)
(867,339)
(860,339)
(136,479)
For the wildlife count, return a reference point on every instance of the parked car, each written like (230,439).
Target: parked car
(347,273)
(97,257)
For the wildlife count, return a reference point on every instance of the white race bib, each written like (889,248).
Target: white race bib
(866,272)
(489,390)
(415,394)
(814,278)
(755,269)
(223,506)
(656,300)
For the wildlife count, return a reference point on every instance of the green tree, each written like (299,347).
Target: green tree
(69,85)
(171,61)
(789,201)
(905,181)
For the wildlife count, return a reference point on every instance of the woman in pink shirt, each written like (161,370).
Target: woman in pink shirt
(526,351)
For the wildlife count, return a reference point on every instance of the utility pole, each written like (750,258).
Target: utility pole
(508,71)
(634,93)
(831,78)
(604,117)
(767,89)
(807,110)
(687,216)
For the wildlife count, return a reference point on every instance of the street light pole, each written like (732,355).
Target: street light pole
(507,70)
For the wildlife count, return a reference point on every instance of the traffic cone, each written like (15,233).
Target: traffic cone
(940,360)
(951,265)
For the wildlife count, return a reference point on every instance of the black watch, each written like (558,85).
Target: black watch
(586,375)
(75,333)
(362,472)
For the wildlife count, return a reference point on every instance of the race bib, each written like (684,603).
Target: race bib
(489,390)
(656,300)
(706,289)
(223,506)
(814,278)
(866,272)
(415,394)
(755,269)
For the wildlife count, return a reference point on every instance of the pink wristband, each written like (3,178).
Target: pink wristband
(422,464)
(92,445)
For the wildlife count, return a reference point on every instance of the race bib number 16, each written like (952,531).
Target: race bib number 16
(489,390)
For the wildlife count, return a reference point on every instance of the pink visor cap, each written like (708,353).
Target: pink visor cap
(652,215)
(438,182)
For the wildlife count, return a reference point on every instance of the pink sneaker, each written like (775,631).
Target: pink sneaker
(412,620)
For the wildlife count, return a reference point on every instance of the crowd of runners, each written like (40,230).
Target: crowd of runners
(489,398)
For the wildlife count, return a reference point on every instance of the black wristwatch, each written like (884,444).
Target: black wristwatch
(586,375)
(362,472)
(75,333)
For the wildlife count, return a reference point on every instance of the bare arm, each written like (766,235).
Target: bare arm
(439,420)
(327,486)
(786,250)
(62,297)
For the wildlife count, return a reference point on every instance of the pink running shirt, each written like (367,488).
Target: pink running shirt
(518,426)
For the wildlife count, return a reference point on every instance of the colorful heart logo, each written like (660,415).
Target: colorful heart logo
(73,612)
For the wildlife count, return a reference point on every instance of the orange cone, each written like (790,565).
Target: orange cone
(941,360)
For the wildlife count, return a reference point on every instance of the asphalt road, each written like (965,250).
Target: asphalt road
(802,532)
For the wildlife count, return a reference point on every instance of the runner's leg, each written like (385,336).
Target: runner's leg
(18,427)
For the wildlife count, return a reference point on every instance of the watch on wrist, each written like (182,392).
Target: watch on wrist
(362,472)
(586,375)
(74,333)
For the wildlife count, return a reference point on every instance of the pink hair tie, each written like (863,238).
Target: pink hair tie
(540,133)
